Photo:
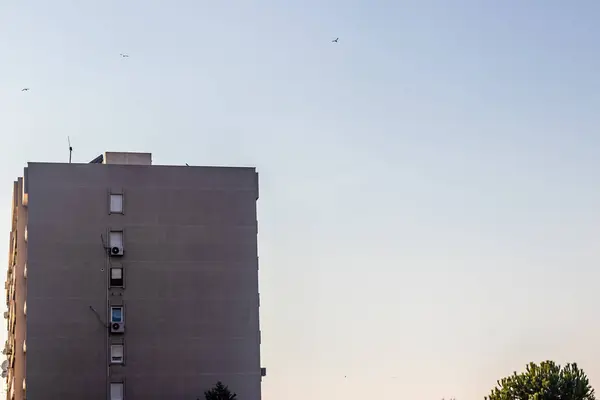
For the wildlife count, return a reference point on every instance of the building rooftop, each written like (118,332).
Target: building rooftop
(130,158)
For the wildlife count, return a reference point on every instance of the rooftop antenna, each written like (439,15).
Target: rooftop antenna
(70,149)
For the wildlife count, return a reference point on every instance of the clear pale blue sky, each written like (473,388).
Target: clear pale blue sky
(430,207)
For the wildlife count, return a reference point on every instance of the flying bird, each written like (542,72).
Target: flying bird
(124,55)
(25,89)
(335,40)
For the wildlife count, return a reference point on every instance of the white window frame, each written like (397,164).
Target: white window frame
(116,239)
(116,210)
(115,359)
(122,314)
(110,277)
(117,390)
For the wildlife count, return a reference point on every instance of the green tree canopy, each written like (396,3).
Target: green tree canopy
(219,392)
(547,381)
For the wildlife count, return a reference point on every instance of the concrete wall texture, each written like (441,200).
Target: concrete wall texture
(190,266)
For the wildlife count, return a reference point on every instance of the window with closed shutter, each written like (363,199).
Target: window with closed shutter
(116,203)
(116,391)
(116,239)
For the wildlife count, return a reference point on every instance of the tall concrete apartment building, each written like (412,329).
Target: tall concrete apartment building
(132,281)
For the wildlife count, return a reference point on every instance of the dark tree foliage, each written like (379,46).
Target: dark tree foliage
(547,381)
(219,392)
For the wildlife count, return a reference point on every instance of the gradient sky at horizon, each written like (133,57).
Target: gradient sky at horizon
(429,211)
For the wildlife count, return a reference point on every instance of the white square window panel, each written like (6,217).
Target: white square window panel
(116,203)
(116,391)
(116,273)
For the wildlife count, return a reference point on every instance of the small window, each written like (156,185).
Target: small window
(116,354)
(116,391)
(116,277)
(116,239)
(116,314)
(116,203)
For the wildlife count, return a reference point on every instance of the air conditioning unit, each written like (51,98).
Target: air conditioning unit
(6,314)
(116,251)
(117,327)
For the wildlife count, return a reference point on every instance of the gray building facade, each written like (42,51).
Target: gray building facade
(132,281)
